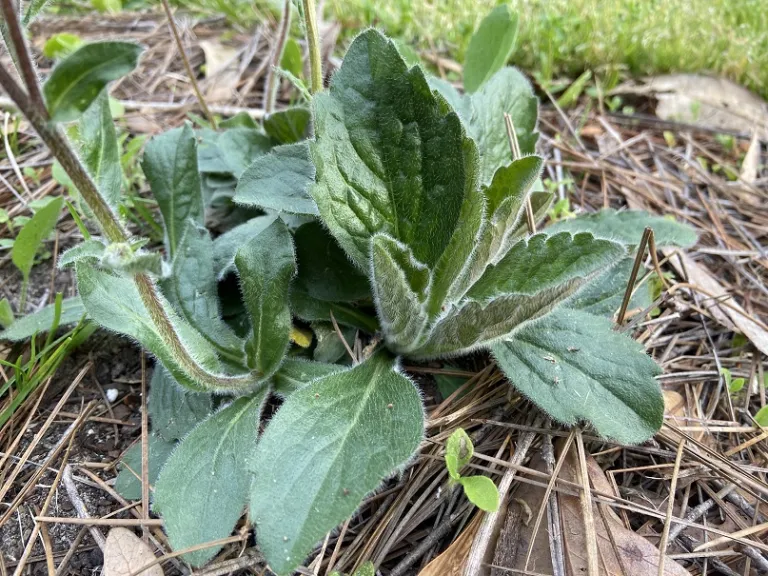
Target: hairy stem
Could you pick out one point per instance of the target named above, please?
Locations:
(313, 42)
(270, 88)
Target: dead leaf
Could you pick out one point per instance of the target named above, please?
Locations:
(221, 71)
(706, 101)
(452, 561)
(751, 162)
(125, 553)
(674, 404)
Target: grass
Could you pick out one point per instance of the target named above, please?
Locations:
(565, 37)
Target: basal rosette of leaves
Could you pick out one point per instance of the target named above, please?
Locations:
(401, 219)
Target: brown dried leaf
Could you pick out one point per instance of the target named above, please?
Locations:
(751, 163)
(452, 561)
(125, 553)
(674, 404)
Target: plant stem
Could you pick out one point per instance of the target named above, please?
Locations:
(270, 87)
(187, 66)
(313, 42)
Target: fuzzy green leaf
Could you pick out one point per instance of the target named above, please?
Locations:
(6, 314)
(575, 367)
(174, 410)
(329, 445)
(325, 272)
(238, 148)
(72, 311)
(288, 126)
(603, 296)
(390, 156)
(312, 310)
(32, 235)
(296, 373)
(279, 181)
(203, 487)
(481, 491)
(170, 164)
(99, 149)
(265, 266)
(226, 246)
(458, 452)
(329, 347)
(490, 47)
(128, 482)
(79, 79)
(628, 226)
(88, 249)
(762, 416)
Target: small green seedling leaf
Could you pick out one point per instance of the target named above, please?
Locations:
(266, 266)
(31, 236)
(6, 315)
(226, 246)
(239, 120)
(490, 47)
(313, 310)
(170, 164)
(345, 433)
(762, 416)
(99, 149)
(203, 487)
(736, 385)
(72, 311)
(458, 452)
(107, 6)
(128, 481)
(575, 367)
(571, 95)
(61, 45)
(78, 80)
(481, 491)
(173, 410)
(288, 126)
(291, 60)
(279, 181)
(628, 226)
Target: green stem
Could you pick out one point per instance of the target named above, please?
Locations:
(270, 91)
(313, 42)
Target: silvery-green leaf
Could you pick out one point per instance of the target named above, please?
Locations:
(543, 261)
(77, 80)
(90, 249)
(295, 374)
(390, 156)
(203, 487)
(490, 47)
(329, 347)
(507, 91)
(401, 286)
(325, 272)
(329, 445)
(226, 246)
(461, 104)
(128, 481)
(279, 180)
(288, 126)
(192, 288)
(265, 266)
(99, 150)
(575, 367)
(603, 296)
(541, 202)
(72, 311)
(173, 410)
(239, 120)
(240, 147)
(170, 164)
(312, 310)
(627, 227)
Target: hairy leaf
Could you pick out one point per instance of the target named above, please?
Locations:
(329, 347)
(266, 265)
(603, 297)
(79, 79)
(390, 156)
(99, 150)
(313, 310)
(279, 181)
(72, 311)
(174, 410)
(627, 227)
(481, 491)
(239, 147)
(575, 367)
(32, 235)
(226, 246)
(88, 249)
(288, 126)
(203, 487)
(128, 481)
(296, 373)
(325, 272)
(329, 445)
(490, 47)
(170, 164)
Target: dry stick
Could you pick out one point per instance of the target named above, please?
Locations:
(633, 275)
(80, 508)
(514, 147)
(337, 548)
(71, 552)
(555, 533)
(90, 521)
(697, 512)
(271, 83)
(426, 544)
(670, 507)
(593, 568)
(144, 446)
(187, 66)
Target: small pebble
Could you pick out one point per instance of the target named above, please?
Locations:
(112, 394)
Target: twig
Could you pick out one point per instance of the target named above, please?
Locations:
(633, 275)
(670, 507)
(585, 498)
(426, 544)
(514, 146)
(187, 66)
(80, 508)
(144, 445)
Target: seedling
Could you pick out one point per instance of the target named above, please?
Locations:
(480, 490)
(405, 221)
